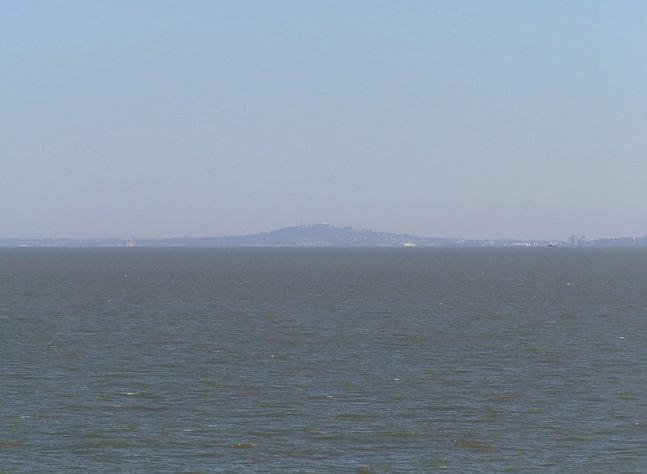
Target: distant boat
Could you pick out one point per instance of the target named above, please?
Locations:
(552, 245)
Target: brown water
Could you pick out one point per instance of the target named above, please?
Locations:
(375, 360)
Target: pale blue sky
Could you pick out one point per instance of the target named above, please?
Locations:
(464, 119)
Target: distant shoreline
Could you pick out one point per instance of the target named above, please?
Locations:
(319, 236)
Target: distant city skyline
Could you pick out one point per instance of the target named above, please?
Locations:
(465, 119)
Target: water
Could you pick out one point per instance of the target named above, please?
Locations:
(376, 360)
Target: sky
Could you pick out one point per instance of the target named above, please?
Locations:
(466, 119)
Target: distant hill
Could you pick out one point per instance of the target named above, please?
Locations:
(318, 235)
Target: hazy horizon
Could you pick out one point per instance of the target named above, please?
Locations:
(458, 237)
(444, 119)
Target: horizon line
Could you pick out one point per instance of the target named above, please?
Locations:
(132, 237)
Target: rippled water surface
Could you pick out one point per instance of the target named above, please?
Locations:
(376, 360)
